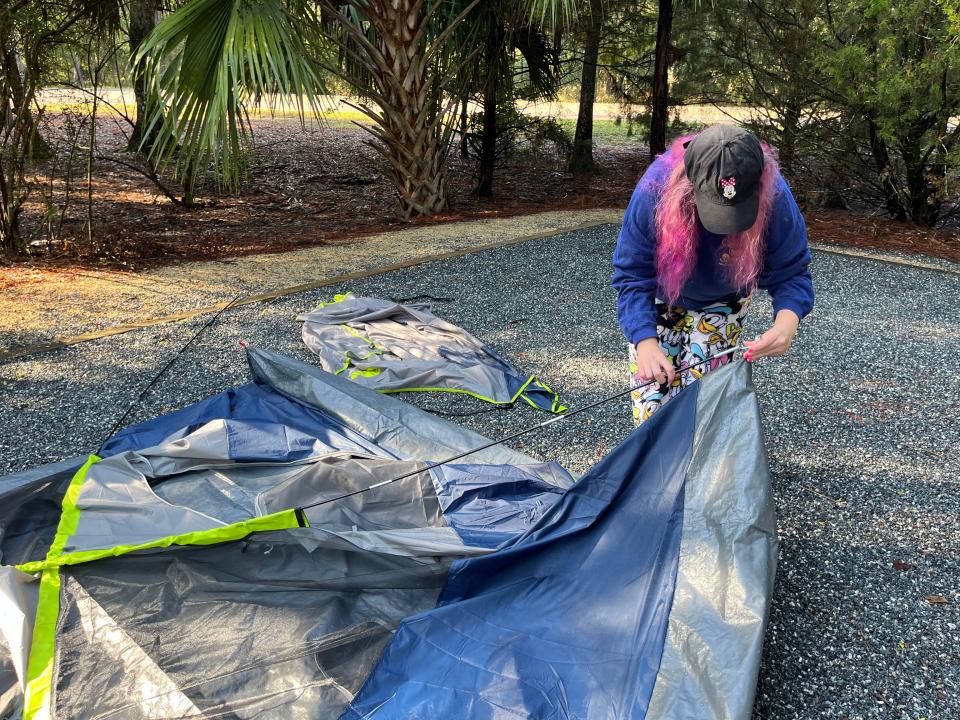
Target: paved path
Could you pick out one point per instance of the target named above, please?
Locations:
(860, 422)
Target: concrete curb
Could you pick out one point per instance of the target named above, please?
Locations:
(878, 256)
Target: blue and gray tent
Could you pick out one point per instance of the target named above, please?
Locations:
(188, 571)
(392, 347)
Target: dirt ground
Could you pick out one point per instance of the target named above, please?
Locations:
(841, 227)
(325, 185)
(307, 186)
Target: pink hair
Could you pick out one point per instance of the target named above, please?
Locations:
(677, 235)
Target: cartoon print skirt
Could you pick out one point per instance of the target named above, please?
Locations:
(688, 337)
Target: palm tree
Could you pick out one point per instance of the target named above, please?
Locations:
(141, 21)
(398, 60)
(202, 66)
(206, 61)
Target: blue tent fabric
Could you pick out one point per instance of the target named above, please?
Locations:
(568, 621)
(151, 432)
(490, 505)
(640, 591)
(262, 425)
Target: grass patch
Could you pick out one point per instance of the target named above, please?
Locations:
(611, 132)
(622, 132)
(335, 118)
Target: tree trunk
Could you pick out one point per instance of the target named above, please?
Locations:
(464, 126)
(16, 129)
(37, 146)
(409, 129)
(921, 179)
(788, 138)
(491, 92)
(886, 173)
(581, 159)
(660, 103)
(143, 19)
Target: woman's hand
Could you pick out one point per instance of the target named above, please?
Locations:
(775, 341)
(653, 363)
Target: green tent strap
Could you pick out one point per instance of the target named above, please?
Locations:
(369, 372)
(555, 407)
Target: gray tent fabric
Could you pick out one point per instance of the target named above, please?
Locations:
(118, 507)
(206, 632)
(30, 509)
(728, 560)
(190, 482)
(135, 641)
(11, 482)
(409, 503)
(371, 559)
(18, 605)
(395, 426)
(392, 347)
(123, 501)
(136, 683)
(289, 620)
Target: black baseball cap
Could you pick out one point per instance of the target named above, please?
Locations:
(724, 163)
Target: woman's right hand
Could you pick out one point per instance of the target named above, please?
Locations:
(653, 363)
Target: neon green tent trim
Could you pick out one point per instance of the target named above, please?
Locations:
(39, 679)
(283, 520)
(517, 396)
(336, 299)
(36, 705)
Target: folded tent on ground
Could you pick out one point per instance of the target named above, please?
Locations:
(393, 347)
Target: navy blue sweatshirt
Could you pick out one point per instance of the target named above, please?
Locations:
(785, 272)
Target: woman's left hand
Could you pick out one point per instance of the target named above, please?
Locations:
(775, 341)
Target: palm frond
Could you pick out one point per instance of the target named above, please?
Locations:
(543, 61)
(205, 63)
(549, 13)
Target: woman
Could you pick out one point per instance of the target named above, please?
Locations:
(711, 220)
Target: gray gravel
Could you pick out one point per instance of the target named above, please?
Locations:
(861, 423)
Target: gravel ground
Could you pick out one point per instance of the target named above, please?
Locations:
(860, 421)
(37, 304)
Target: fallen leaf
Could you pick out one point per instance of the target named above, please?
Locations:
(901, 565)
(937, 600)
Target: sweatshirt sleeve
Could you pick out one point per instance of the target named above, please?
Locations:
(634, 269)
(786, 272)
